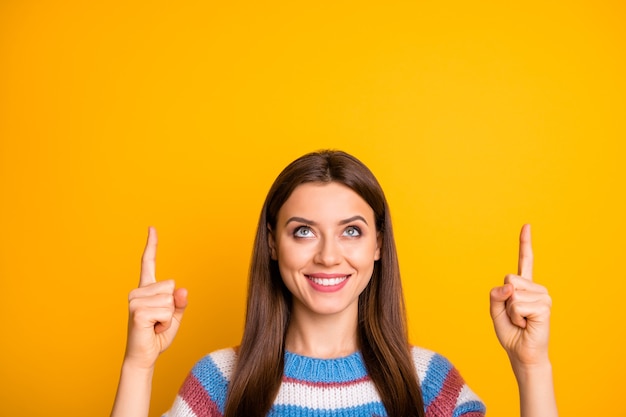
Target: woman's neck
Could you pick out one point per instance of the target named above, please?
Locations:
(322, 336)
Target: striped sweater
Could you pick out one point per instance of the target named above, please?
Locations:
(326, 388)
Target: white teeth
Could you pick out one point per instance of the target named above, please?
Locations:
(327, 282)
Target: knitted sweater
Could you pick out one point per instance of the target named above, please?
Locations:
(326, 388)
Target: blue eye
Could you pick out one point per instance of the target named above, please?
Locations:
(352, 231)
(303, 231)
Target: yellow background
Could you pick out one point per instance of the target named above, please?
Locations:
(475, 116)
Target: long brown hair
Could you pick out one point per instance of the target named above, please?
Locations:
(382, 330)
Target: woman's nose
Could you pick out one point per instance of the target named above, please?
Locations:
(329, 252)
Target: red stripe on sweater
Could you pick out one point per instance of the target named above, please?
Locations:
(444, 405)
(473, 414)
(198, 399)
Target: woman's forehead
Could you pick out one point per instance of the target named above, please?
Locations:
(325, 202)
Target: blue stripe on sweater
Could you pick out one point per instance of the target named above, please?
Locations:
(339, 370)
(436, 373)
(371, 409)
(212, 380)
(468, 407)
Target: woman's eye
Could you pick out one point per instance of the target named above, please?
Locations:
(303, 231)
(352, 231)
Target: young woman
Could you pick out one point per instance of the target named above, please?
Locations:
(325, 331)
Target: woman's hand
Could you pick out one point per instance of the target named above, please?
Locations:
(520, 310)
(155, 312)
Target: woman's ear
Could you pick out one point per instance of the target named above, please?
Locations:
(271, 241)
(379, 245)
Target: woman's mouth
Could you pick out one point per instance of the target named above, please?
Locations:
(327, 282)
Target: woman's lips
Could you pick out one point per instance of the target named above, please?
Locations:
(327, 282)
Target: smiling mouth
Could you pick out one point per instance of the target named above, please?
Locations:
(327, 282)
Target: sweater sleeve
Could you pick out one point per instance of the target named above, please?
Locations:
(203, 393)
(444, 391)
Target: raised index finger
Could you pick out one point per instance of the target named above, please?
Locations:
(148, 260)
(525, 262)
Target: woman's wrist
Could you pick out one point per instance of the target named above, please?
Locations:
(536, 388)
(531, 370)
(133, 391)
(138, 368)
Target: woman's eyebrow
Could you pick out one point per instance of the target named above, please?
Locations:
(313, 223)
(300, 220)
(353, 218)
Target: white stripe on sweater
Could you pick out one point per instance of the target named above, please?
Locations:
(180, 408)
(330, 398)
(225, 360)
(421, 359)
(466, 395)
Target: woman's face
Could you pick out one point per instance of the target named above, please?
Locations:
(325, 242)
